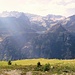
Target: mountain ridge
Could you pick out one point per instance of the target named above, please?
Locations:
(32, 36)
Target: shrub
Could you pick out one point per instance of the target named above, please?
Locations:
(38, 64)
(38, 67)
(46, 67)
(9, 62)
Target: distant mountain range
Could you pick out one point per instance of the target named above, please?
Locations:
(24, 35)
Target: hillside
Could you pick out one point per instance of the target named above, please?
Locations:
(24, 35)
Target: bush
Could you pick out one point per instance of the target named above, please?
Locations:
(38, 64)
(38, 67)
(46, 67)
(9, 62)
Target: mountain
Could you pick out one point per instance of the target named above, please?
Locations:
(69, 23)
(10, 26)
(17, 46)
(44, 22)
(10, 14)
(13, 24)
(38, 23)
(58, 43)
(24, 35)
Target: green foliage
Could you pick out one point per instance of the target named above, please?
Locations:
(38, 67)
(9, 62)
(46, 67)
(38, 64)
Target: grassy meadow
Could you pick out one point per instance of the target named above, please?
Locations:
(57, 67)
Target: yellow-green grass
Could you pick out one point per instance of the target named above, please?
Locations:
(3, 63)
(29, 65)
(44, 61)
(59, 65)
(35, 61)
(41, 60)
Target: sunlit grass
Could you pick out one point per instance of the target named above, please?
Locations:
(34, 61)
(41, 60)
(3, 63)
(60, 66)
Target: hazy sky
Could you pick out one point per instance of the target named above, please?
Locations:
(40, 7)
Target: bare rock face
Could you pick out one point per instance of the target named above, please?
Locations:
(24, 35)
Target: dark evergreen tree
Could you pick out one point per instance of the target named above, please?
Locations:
(9, 62)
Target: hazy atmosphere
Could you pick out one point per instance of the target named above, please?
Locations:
(39, 7)
(37, 37)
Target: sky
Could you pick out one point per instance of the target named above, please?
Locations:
(40, 7)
